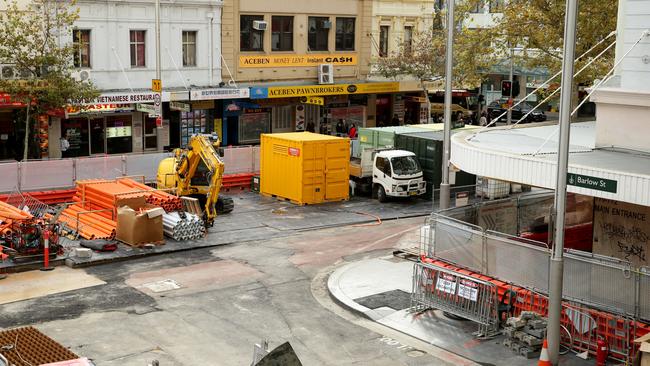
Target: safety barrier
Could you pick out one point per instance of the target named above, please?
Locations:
(458, 294)
(38, 175)
(597, 281)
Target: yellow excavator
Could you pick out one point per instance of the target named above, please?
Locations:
(196, 171)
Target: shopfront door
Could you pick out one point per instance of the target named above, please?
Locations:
(150, 134)
(97, 136)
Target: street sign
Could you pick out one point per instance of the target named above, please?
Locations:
(157, 103)
(598, 184)
(178, 106)
(156, 85)
(146, 108)
(313, 100)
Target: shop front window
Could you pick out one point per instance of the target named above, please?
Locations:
(192, 123)
(150, 134)
(97, 136)
(75, 130)
(119, 134)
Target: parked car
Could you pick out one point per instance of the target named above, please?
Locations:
(498, 107)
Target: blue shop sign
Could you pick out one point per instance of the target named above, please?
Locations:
(259, 92)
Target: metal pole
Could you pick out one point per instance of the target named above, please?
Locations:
(512, 85)
(158, 39)
(557, 261)
(449, 63)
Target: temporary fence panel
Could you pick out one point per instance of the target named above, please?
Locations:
(511, 259)
(144, 165)
(238, 159)
(46, 174)
(458, 294)
(9, 174)
(256, 159)
(644, 293)
(458, 243)
(601, 283)
(103, 167)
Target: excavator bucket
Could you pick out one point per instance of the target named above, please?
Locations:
(283, 355)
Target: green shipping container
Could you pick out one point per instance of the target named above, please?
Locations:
(382, 137)
(427, 146)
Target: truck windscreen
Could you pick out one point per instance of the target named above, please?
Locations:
(405, 165)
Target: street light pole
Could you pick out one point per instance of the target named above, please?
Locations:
(445, 193)
(512, 85)
(557, 260)
(158, 39)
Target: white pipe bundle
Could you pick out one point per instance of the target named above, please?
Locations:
(183, 226)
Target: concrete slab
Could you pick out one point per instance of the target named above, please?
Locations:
(33, 284)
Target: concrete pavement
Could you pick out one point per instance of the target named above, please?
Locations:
(379, 289)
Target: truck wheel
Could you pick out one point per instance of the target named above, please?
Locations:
(381, 194)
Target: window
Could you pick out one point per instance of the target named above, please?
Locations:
(319, 30)
(189, 48)
(281, 33)
(496, 6)
(250, 39)
(137, 48)
(81, 45)
(408, 39)
(345, 34)
(383, 40)
(477, 7)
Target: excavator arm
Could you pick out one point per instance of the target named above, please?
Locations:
(201, 148)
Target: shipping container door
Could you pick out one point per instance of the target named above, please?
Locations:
(337, 171)
(313, 174)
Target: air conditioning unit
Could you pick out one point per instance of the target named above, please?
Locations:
(326, 74)
(259, 25)
(327, 24)
(8, 72)
(81, 75)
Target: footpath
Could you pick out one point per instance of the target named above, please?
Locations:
(380, 289)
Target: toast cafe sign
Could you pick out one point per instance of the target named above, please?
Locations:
(297, 60)
(121, 98)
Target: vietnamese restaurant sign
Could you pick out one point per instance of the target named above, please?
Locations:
(121, 98)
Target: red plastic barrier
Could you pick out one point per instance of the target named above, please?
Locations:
(579, 237)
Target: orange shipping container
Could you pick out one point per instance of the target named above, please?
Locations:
(305, 167)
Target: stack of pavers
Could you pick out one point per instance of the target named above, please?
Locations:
(525, 334)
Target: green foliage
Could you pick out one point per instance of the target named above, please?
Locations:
(425, 60)
(35, 39)
(538, 27)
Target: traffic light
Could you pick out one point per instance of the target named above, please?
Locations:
(506, 87)
(515, 88)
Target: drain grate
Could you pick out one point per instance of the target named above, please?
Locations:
(27, 346)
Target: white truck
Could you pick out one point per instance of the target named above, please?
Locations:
(387, 173)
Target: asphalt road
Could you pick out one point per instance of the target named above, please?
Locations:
(229, 298)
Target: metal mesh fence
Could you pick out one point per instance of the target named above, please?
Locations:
(605, 284)
(644, 293)
(522, 262)
(458, 242)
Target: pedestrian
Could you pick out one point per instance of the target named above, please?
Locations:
(65, 145)
(483, 120)
(353, 132)
(340, 128)
(395, 121)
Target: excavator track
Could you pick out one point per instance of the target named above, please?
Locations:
(224, 205)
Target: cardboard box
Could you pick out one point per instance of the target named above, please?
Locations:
(139, 223)
(644, 350)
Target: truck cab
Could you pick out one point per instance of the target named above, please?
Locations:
(387, 173)
(397, 173)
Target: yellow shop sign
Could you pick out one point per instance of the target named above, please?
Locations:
(297, 60)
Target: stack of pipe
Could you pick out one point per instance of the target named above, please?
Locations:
(10, 215)
(183, 226)
(155, 197)
(48, 197)
(89, 225)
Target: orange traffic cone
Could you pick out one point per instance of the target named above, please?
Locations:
(543, 357)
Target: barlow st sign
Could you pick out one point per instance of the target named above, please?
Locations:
(597, 184)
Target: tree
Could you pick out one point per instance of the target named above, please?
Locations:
(537, 26)
(35, 39)
(425, 58)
